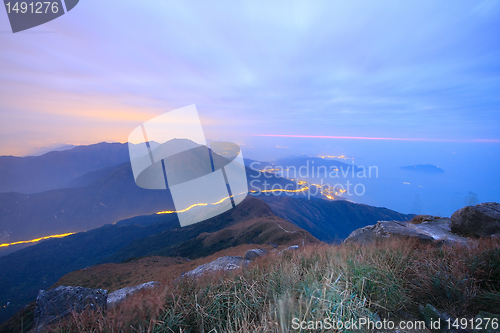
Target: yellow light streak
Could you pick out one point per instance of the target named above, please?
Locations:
(195, 205)
(273, 170)
(223, 199)
(37, 239)
(283, 190)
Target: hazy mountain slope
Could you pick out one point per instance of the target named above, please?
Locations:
(32, 174)
(329, 220)
(255, 231)
(114, 197)
(93, 176)
(172, 242)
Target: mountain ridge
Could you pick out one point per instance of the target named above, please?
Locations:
(55, 169)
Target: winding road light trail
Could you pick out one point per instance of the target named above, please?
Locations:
(226, 198)
(37, 239)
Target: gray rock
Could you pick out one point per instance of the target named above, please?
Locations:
(226, 263)
(430, 230)
(478, 221)
(384, 230)
(58, 303)
(440, 230)
(255, 253)
(290, 248)
(118, 296)
(437, 320)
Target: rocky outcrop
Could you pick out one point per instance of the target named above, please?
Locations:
(226, 263)
(58, 303)
(477, 221)
(429, 231)
(118, 296)
(255, 253)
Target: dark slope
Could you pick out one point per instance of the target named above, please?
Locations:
(33, 174)
(26, 271)
(173, 242)
(329, 221)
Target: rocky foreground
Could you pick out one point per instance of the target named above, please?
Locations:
(482, 220)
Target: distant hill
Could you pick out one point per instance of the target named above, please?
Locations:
(250, 222)
(55, 169)
(423, 168)
(329, 221)
(315, 168)
(44, 150)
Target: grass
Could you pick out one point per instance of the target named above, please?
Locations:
(386, 281)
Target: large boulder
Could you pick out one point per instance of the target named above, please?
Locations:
(118, 296)
(255, 253)
(431, 230)
(58, 303)
(226, 263)
(477, 221)
(384, 230)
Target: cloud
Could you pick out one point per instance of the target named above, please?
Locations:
(322, 68)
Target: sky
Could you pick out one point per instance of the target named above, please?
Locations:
(387, 69)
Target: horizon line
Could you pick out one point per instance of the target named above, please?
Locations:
(374, 138)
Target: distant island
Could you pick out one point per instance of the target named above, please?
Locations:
(427, 168)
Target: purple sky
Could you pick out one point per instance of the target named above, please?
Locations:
(426, 70)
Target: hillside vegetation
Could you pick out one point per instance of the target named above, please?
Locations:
(384, 281)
